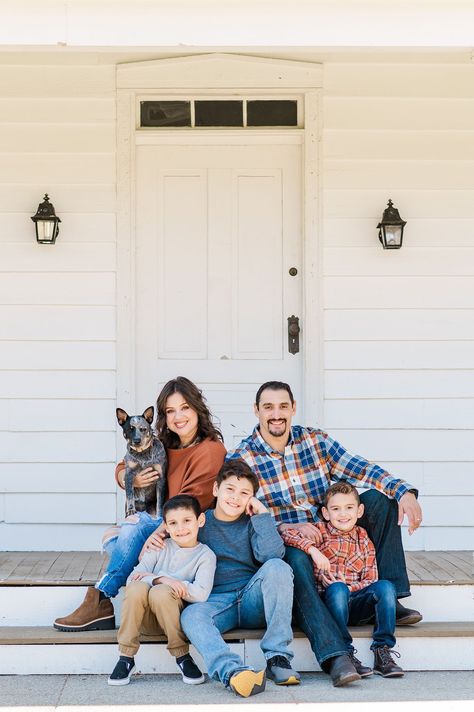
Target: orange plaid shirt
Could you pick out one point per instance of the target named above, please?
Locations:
(351, 554)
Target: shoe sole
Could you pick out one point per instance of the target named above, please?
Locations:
(98, 624)
(125, 681)
(193, 680)
(249, 683)
(366, 674)
(346, 680)
(290, 680)
(409, 620)
(390, 674)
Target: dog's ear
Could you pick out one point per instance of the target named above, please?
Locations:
(121, 416)
(148, 414)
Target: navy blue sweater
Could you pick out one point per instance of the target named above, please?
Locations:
(241, 547)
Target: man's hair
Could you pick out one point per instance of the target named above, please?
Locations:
(239, 469)
(182, 501)
(340, 488)
(274, 386)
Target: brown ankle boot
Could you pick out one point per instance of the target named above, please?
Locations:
(92, 614)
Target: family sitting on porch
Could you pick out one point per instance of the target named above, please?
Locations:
(284, 484)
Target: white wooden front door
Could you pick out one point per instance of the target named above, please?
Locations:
(218, 227)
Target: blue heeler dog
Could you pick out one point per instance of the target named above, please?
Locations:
(143, 450)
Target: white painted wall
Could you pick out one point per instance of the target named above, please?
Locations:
(398, 326)
(398, 337)
(57, 306)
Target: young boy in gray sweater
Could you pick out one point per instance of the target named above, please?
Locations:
(253, 587)
(183, 570)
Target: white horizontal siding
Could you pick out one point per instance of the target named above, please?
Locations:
(426, 232)
(398, 326)
(57, 306)
(437, 414)
(44, 477)
(28, 416)
(58, 446)
(51, 536)
(75, 227)
(58, 355)
(399, 384)
(70, 509)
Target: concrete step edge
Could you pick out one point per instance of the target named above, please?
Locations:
(47, 635)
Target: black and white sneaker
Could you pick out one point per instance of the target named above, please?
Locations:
(122, 671)
(190, 672)
(280, 671)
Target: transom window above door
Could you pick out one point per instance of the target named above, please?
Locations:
(219, 113)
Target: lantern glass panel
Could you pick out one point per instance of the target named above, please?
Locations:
(393, 235)
(45, 229)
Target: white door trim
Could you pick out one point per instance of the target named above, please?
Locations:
(228, 73)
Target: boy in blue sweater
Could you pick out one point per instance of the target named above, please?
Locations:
(253, 586)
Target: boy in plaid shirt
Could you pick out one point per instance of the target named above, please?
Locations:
(345, 570)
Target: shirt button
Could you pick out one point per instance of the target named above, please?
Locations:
(301, 500)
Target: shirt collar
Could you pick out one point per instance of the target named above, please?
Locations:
(337, 532)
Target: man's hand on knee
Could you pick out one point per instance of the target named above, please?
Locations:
(409, 505)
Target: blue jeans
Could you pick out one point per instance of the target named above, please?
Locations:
(380, 520)
(123, 551)
(310, 612)
(356, 608)
(264, 602)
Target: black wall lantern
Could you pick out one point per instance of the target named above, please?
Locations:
(391, 228)
(46, 223)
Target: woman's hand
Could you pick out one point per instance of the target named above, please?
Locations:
(156, 541)
(145, 477)
(178, 587)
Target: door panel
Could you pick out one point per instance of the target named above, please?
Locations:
(218, 228)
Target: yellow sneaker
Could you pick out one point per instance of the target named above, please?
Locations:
(247, 682)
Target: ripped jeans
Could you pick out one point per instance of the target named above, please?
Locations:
(265, 602)
(124, 549)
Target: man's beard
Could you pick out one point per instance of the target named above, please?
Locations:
(280, 432)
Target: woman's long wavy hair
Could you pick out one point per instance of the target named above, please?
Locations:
(194, 398)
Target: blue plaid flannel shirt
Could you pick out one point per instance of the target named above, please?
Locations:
(293, 483)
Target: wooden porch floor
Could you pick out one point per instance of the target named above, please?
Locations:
(84, 568)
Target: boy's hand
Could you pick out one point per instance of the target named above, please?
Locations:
(321, 561)
(139, 575)
(178, 587)
(254, 506)
(145, 477)
(306, 529)
(155, 541)
(328, 578)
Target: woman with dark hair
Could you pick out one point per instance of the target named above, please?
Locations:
(195, 455)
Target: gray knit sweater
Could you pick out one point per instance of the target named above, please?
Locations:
(194, 566)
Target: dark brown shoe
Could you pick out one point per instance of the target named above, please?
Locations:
(406, 616)
(92, 614)
(384, 664)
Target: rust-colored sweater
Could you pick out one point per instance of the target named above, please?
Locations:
(191, 470)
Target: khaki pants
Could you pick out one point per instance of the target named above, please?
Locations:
(151, 611)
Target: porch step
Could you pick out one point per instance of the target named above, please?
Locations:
(37, 587)
(40, 605)
(43, 650)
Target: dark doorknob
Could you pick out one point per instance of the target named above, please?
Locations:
(293, 334)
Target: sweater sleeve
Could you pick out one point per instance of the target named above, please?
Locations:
(148, 563)
(200, 588)
(265, 539)
(201, 473)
